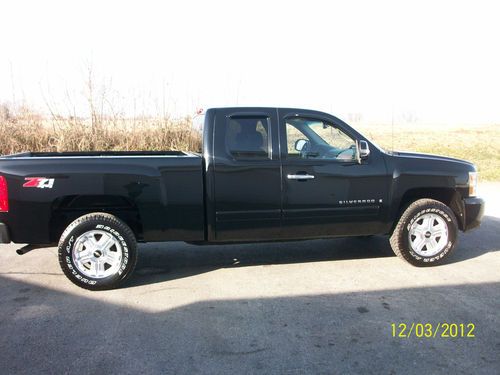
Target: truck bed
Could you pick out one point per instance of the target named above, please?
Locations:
(97, 153)
(158, 193)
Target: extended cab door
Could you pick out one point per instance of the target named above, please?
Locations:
(326, 192)
(246, 173)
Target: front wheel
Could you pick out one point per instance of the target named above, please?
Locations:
(98, 251)
(426, 233)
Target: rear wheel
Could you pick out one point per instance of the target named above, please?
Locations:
(426, 233)
(98, 251)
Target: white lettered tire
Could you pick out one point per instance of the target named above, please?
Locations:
(98, 251)
(426, 234)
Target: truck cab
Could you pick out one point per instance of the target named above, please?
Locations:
(291, 174)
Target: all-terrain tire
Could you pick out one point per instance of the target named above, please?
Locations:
(417, 211)
(92, 227)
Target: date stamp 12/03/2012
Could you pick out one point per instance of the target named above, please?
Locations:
(433, 330)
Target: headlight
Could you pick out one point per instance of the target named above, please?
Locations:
(472, 184)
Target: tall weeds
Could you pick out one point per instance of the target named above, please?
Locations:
(28, 131)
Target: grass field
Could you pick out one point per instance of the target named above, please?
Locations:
(479, 144)
(28, 132)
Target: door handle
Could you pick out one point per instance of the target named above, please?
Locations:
(300, 177)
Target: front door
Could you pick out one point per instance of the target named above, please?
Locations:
(326, 191)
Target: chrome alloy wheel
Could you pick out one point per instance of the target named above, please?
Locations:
(428, 235)
(97, 254)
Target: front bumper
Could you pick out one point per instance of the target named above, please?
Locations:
(4, 233)
(474, 211)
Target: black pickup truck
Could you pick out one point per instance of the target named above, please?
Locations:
(265, 174)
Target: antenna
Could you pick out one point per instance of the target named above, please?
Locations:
(238, 92)
(392, 127)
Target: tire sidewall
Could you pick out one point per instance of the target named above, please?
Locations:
(69, 266)
(450, 221)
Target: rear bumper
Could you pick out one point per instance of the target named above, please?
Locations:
(4, 233)
(474, 211)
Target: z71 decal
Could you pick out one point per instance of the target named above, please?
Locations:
(39, 182)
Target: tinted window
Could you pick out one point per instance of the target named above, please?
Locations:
(248, 137)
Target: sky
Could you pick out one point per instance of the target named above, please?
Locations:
(364, 61)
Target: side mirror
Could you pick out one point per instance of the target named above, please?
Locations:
(299, 144)
(364, 149)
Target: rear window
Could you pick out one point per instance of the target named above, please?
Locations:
(248, 137)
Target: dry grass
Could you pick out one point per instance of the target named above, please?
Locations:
(33, 133)
(479, 144)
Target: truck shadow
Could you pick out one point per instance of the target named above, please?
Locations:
(176, 260)
(168, 261)
(480, 241)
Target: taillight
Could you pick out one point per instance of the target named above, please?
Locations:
(4, 195)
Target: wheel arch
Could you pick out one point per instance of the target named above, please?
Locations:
(448, 196)
(66, 209)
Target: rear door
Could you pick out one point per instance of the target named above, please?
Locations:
(247, 175)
